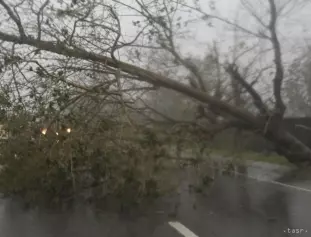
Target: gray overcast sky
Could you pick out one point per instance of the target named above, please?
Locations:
(293, 28)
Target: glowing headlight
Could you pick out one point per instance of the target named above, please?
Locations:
(43, 131)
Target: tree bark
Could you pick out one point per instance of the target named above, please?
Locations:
(290, 147)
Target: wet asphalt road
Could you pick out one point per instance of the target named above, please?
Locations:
(232, 207)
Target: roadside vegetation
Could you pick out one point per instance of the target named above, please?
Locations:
(272, 158)
(131, 83)
(87, 162)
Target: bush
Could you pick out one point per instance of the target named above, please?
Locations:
(106, 163)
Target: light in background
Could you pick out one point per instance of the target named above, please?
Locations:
(43, 131)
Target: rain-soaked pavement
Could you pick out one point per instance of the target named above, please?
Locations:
(231, 207)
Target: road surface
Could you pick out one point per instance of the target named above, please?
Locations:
(232, 207)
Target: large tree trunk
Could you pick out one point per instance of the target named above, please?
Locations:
(290, 147)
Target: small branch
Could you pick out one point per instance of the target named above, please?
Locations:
(168, 32)
(96, 88)
(73, 100)
(250, 9)
(76, 22)
(236, 26)
(39, 18)
(233, 71)
(218, 93)
(14, 18)
(118, 71)
(115, 44)
(125, 44)
(261, 71)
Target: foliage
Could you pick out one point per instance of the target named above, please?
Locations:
(81, 63)
(104, 162)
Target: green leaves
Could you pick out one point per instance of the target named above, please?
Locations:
(5, 101)
(131, 170)
(40, 72)
(9, 60)
(67, 12)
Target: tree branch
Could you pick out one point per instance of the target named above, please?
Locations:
(226, 21)
(143, 74)
(233, 71)
(14, 18)
(279, 74)
(39, 18)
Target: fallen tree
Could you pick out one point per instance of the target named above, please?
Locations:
(79, 43)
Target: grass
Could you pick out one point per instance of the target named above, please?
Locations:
(240, 154)
(272, 158)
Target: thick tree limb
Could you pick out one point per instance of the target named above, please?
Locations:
(144, 75)
(279, 74)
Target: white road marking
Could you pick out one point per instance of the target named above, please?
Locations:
(182, 229)
(278, 183)
(271, 182)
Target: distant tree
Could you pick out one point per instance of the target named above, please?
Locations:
(298, 86)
